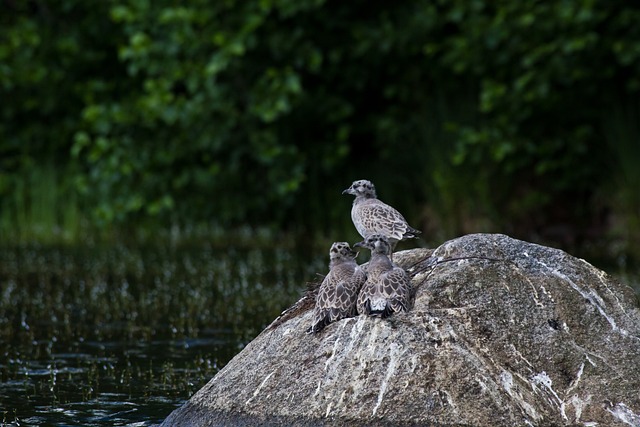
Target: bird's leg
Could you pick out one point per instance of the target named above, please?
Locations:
(393, 248)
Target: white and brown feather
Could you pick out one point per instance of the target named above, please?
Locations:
(338, 292)
(372, 216)
(387, 289)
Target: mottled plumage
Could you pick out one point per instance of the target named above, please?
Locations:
(339, 290)
(372, 216)
(388, 287)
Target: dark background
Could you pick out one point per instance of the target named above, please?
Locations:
(125, 118)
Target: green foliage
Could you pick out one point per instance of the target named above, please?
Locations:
(502, 116)
(198, 131)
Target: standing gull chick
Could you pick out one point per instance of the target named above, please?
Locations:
(339, 290)
(372, 216)
(388, 287)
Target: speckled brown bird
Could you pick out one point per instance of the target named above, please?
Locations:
(339, 290)
(372, 216)
(388, 287)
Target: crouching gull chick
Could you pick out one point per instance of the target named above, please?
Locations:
(372, 216)
(388, 287)
(339, 290)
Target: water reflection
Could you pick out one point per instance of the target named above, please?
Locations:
(121, 336)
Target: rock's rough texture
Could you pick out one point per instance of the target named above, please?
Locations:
(503, 333)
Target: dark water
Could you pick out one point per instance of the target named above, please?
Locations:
(122, 336)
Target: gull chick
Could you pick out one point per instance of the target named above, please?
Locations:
(339, 290)
(372, 216)
(388, 287)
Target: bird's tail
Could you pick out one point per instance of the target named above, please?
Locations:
(379, 307)
(318, 326)
(326, 317)
(412, 233)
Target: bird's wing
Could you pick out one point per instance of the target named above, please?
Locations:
(344, 303)
(368, 291)
(396, 287)
(326, 292)
(339, 292)
(381, 218)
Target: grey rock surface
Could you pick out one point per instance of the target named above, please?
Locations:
(502, 333)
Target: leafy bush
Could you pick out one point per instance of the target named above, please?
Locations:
(504, 116)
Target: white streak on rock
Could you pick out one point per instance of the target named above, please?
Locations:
(544, 380)
(625, 414)
(578, 406)
(575, 382)
(354, 336)
(341, 401)
(330, 359)
(506, 379)
(592, 297)
(328, 410)
(535, 292)
(257, 390)
(547, 293)
(395, 352)
(338, 334)
(515, 350)
(602, 276)
(414, 363)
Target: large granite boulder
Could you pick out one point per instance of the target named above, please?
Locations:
(502, 333)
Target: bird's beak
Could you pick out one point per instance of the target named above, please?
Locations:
(358, 245)
(348, 191)
(354, 253)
